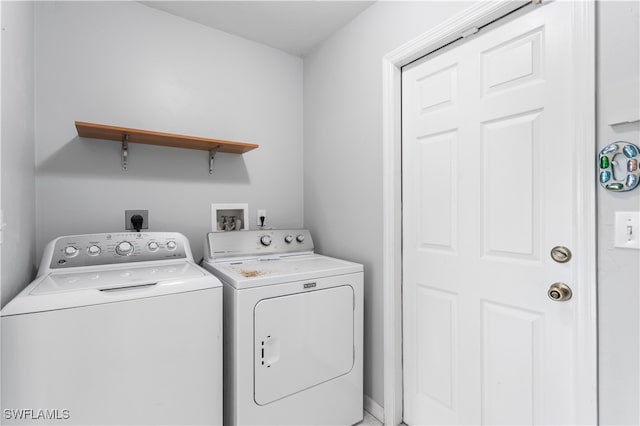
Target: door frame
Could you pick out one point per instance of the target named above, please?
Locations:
(583, 93)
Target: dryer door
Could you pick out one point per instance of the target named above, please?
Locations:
(302, 340)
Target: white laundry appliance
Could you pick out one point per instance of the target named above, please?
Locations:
(292, 329)
(120, 328)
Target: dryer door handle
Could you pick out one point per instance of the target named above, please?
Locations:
(270, 351)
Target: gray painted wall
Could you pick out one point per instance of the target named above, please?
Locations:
(18, 180)
(122, 63)
(343, 172)
(343, 148)
(618, 93)
(125, 64)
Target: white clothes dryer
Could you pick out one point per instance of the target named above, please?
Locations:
(120, 328)
(293, 330)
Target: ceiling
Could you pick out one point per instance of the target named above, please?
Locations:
(293, 26)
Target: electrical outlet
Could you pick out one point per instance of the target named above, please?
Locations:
(127, 219)
(261, 213)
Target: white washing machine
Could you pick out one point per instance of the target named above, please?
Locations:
(119, 328)
(292, 327)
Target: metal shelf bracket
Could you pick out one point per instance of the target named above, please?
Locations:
(125, 151)
(212, 155)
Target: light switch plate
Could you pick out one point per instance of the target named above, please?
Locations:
(627, 230)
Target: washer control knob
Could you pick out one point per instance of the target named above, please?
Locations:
(171, 245)
(124, 248)
(70, 251)
(288, 239)
(93, 250)
(265, 240)
(153, 246)
(300, 238)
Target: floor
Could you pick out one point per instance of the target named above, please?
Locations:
(369, 420)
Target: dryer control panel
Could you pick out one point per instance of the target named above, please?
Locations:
(257, 243)
(114, 248)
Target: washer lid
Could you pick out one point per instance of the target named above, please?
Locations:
(110, 279)
(93, 286)
(275, 270)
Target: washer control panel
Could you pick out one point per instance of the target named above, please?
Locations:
(105, 249)
(258, 243)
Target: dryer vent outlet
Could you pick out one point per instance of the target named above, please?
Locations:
(129, 223)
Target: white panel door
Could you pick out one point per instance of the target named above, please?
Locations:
(487, 192)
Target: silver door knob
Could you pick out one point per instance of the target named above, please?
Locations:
(559, 292)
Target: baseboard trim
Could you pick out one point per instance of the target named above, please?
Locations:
(373, 408)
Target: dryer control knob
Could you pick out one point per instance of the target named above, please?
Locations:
(70, 251)
(153, 246)
(171, 245)
(124, 248)
(265, 240)
(288, 239)
(93, 250)
(300, 238)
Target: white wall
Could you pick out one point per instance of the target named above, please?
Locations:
(343, 148)
(618, 44)
(125, 64)
(342, 168)
(18, 181)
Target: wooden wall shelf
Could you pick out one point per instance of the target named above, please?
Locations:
(127, 135)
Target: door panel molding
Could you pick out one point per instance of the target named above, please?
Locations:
(583, 103)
